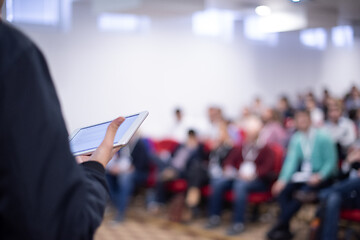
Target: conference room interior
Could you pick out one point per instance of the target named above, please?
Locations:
(211, 67)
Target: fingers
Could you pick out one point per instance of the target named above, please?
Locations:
(115, 150)
(81, 159)
(111, 130)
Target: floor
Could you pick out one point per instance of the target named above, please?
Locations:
(142, 225)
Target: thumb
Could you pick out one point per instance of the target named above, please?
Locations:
(112, 129)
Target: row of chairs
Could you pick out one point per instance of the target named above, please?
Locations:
(256, 198)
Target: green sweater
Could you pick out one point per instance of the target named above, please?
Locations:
(323, 157)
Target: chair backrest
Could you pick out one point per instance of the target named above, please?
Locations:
(165, 145)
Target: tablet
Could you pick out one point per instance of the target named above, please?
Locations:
(85, 140)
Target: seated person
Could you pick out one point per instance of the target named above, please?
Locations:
(316, 113)
(344, 194)
(181, 165)
(272, 132)
(246, 169)
(127, 169)
(285, 109)
(310, 165)
(341, 129)
(221, 147)
(357, 122)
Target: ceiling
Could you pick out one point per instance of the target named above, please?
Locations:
(319, 13)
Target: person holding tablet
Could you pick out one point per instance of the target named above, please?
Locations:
(45, 194)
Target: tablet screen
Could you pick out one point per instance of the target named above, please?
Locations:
(89, 138)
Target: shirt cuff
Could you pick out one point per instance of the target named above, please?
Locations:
(94, 165)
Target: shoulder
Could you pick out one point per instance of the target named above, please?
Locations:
(13, 43)
(266, 150)
(295, 138)
(323, 135)
(346, 121)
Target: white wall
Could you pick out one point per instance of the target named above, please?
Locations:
(99, 75)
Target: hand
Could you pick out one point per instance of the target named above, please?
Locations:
(246, 178)
(168, 174)
(114, 170)
(105, 151)
(82, 158)
(353, 156)
(230, 172)
(278, 187)
(314, 180)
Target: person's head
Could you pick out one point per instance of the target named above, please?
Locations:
(269, 115)
(335, 110)
(283, 104)
(354, 92)
(245, 112)
(252, 128)
(326, 92)
(257, 101)
(215, 114)
(178, 114)
(192, 140)
(310, 103)
(302, 120)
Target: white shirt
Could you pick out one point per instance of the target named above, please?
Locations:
(342, 132)
(317, 117)
(248, 167)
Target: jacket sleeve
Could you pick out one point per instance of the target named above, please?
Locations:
(234, 157)
(265, 163)
(47, 193)
(292, 160)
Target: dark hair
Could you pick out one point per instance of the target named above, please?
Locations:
(191, 133)
(285, 99)
(177, 110)
(302, 111)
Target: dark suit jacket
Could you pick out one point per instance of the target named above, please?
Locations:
(44, 193)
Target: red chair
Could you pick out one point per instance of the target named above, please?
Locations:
(177, 186)
(351, 215)
(169, 145)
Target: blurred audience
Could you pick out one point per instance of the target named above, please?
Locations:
(246, 169)
(180, 126)
(184, 163)
(340, 128)
(352, 101)
(325, 101)
(342, 195)
(127, 169)
(215, 117)
(257, 107)
(285, 109)
(272, 131)
(241, 159)
(317, 115)
(357, 122)
(310, 165)
(221, 147)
